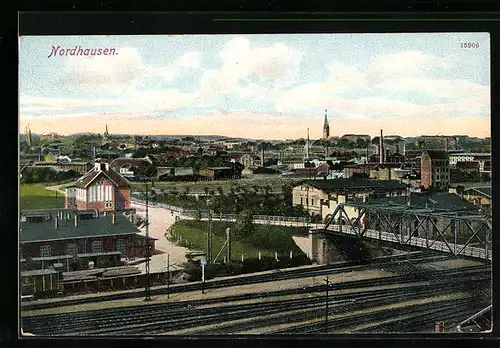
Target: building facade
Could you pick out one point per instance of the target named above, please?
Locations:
(321, 197)
(435, 170)
(101, 189)
(73, 239)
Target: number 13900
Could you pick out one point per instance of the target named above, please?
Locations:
(469, 45)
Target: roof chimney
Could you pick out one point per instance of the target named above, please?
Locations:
(76, 220)
(56, 221)
(381, 147)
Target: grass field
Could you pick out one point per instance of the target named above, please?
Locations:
(275, 181)
(266, 239)
(36, 196)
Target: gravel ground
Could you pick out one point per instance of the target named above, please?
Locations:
(159, 220)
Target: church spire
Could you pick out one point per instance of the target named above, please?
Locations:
(106, 133)
(326, 127)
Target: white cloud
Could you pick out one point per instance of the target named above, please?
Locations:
(111, 73)
(189, 60)
(120, 73)
(276, 64)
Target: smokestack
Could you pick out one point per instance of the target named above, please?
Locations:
(381, 147)
(56, 221)
(76, 220)
(446, 144)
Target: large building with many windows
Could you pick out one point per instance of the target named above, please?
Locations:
(74, 238)
(435, 170)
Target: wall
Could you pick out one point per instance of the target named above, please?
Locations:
(311, 198)
(425, 171)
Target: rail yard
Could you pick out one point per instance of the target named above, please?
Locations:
(403, 293)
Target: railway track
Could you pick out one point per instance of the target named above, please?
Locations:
(346, 323)
(171, 316)
(414, 258)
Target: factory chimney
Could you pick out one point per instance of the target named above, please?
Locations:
(381, 147)
(446, 144)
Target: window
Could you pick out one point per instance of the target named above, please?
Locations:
(307, 201)
(301, 201)
(312, 201)
(97, 246)
(120, 246)
(45, 251)
(72, 249)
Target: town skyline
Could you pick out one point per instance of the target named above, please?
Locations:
(258, 86)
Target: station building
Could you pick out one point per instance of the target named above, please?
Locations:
(71, 239)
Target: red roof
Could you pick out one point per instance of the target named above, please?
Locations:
(116, 178)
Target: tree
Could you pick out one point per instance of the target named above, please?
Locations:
(244, 224)
(145, 170)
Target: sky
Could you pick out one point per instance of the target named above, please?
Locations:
(257, 86)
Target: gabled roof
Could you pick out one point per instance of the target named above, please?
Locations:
(46, 231)
(116, 178)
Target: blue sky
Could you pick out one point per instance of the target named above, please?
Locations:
(259, 86)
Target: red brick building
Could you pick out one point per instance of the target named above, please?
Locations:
(435, 170)
(73, 238)
(101, 189)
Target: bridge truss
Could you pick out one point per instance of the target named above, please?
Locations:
(460, 233)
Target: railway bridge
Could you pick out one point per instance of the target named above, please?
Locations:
(460, 233)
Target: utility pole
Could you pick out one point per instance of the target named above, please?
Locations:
(168, 275)
(326, 307)
(228, 246)
(148, 287)
(209, 237)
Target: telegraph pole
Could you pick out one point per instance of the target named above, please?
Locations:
(228, 246)
(326, 307)
(168, 275)
(148, 287)
(209, 237)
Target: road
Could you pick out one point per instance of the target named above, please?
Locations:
(159, 220)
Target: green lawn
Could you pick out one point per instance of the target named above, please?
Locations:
(36, 196)
(266, 239)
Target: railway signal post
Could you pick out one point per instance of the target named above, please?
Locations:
(327, 282)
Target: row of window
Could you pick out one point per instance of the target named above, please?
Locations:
(99, 193)
(72, 248)
(307, 201)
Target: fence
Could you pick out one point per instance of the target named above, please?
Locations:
(259, 219)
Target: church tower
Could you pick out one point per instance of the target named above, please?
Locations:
(326, 128)
(106, 133)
